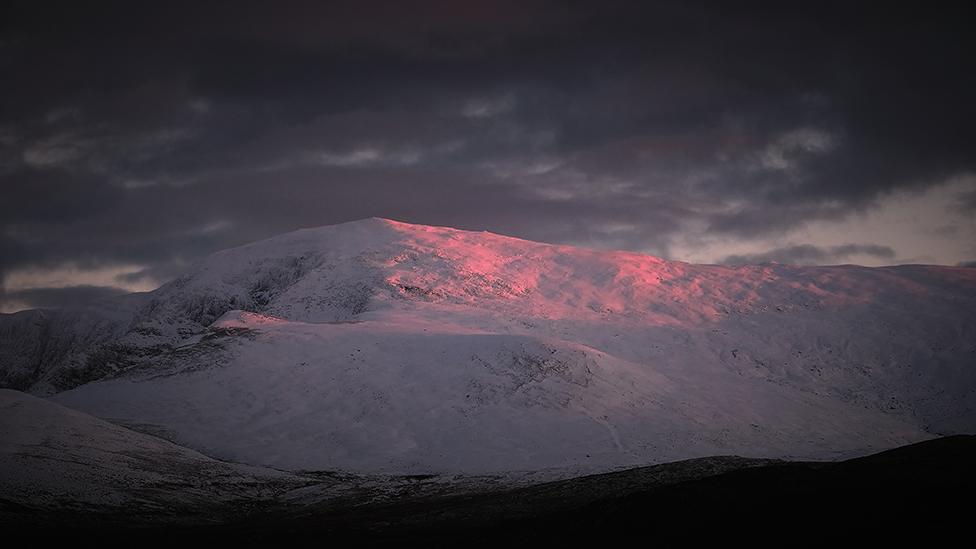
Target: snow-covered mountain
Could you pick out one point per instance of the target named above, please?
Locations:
(54, 458)
(378, 346)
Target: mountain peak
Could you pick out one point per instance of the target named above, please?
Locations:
(380, 226)
(386, 346)
(373, 221)
(374, 235)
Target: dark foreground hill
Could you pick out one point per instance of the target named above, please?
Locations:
(919, 492)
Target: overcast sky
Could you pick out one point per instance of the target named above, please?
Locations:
(135, 138)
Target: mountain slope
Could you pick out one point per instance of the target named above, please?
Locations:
(910, 492)
(56, 459)
(400, 397)
(384, 346)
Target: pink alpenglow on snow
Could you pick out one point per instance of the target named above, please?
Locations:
(379, 346)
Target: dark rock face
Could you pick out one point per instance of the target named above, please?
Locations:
(51, 350)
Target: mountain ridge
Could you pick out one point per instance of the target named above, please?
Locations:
(561, 357)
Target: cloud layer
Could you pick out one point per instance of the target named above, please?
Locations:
(806, 254)
(152, 135)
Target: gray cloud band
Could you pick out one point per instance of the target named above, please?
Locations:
(124, 141)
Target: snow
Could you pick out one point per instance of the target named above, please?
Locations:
(391, 397)
(53, 457)
(379, 346)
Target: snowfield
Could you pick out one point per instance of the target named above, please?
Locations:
(383, 347)
(55, 458)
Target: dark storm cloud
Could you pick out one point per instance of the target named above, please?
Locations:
(72, 296)
(807, 254)
(153, 134)
(967, 264)
(967, 202)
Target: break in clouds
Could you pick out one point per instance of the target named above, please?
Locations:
(134, 139)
